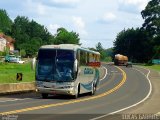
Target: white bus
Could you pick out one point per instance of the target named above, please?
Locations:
(66, 69)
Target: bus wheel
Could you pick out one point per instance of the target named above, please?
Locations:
(44, 95)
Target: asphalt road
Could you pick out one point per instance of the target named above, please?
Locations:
(121, 88)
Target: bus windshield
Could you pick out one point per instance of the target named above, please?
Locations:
(55, 65)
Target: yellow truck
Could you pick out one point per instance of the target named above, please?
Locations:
(120, 59)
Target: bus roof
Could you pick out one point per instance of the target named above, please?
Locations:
(68, 47)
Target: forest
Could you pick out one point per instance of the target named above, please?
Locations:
(30, 35)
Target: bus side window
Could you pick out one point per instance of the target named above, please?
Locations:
(78, 55)
(83, 58)
(97, 58)
(91, 57)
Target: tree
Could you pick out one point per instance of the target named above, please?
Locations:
(151, 15)
(37, 30)
(5, 22)
(101, 50)
(123, 42)
(30, 35)
(6, 51)
(22, 53)
(156, 48)
(31, 47)
(133, 43)
(65, 37)
(109, 54)
(99, 47)
(19, 31)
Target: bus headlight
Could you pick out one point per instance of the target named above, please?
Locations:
(39, 83)
(67, 87)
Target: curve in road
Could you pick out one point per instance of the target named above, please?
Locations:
(122, 87)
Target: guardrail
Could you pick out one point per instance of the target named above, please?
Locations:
(17, 87)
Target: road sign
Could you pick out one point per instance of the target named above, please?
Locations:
(94, 64)
(19, 76)
(156, 61)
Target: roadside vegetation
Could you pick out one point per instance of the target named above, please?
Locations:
(9, 72)
(154, 67)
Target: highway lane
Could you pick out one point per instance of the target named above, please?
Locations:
(115, 92)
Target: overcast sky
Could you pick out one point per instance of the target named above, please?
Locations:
(94, 20)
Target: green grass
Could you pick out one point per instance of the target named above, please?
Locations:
(8, 72)
(154, 67)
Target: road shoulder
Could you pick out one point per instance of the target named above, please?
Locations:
(152, 104)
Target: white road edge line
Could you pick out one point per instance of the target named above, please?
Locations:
(158, 114)
(96, 118)
(105, 74)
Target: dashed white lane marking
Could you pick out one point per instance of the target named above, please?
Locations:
(2, 101)
(96, 118)
(114, 71)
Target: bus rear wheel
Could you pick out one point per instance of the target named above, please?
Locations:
(44, 95)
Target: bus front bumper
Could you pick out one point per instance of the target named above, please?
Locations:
(68, 91)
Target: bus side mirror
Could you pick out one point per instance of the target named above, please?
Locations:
(33, 63)
(75, 65)
(75, 68)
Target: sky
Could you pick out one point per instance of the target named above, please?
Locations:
(94, 20)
